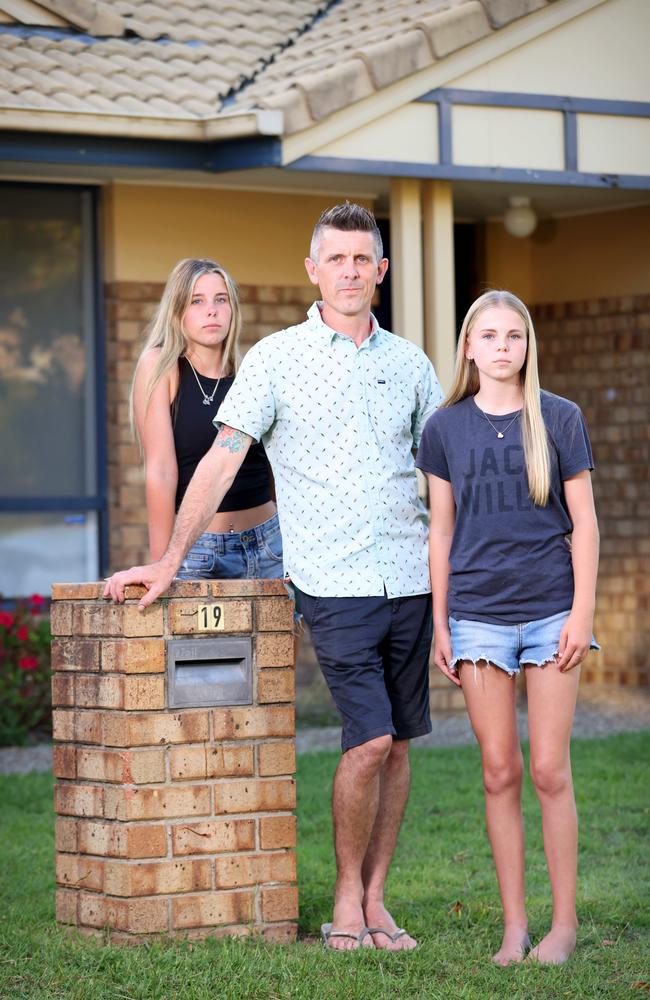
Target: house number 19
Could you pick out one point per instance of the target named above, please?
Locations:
(210, 618)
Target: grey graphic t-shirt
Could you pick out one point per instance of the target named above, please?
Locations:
(510, 561)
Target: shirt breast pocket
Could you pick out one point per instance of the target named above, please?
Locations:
(392, 410)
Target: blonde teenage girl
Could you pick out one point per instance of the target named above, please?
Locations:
(513, 555)
(186, 368)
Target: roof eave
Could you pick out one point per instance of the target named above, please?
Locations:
(238, 125)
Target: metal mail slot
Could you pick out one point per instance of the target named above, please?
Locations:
(209, 672)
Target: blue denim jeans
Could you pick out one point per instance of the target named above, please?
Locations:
(253, 554)
(508, 646)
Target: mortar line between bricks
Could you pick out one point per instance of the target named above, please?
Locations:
(125, 863)
(262, 813)
(120, 824)
(182, 858)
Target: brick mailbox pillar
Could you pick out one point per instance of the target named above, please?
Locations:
(175, 817)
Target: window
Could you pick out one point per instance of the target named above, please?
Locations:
(52, 490)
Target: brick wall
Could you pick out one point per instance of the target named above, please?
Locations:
(597, 353)
(129, 307)
(172, 820)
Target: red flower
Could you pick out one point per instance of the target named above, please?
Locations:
(22, 633)
(28, 663)
(6, 619)
(37, 604)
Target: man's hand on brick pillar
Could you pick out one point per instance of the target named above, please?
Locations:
(156, 577)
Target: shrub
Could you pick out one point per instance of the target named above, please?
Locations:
(25, 674)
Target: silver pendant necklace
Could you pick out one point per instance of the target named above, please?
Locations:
(207, 400)
(499, 433)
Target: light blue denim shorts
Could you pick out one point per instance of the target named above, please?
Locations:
(253, 554)
(509, 647)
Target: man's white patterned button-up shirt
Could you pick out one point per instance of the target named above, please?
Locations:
(339, 425)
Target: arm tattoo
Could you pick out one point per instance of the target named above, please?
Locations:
(231, 439)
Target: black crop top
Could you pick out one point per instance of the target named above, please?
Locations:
(194, 434)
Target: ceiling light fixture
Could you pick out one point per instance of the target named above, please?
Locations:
(520, 219)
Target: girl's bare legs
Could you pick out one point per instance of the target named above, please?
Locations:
(551, 705)
(490, 699)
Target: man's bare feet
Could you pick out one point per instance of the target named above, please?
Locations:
(556, 947)
(514, 945)
(348, 917)
(377, 916)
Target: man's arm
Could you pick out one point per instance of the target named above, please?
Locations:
(212, 479)
(429, 398)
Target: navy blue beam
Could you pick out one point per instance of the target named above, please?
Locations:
(445, 153)
(454, 172)
(570, 125)
(541, 102)
(214, 157)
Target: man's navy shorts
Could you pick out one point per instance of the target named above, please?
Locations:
(374, 655)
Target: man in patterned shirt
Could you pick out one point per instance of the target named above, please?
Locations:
(340, 405)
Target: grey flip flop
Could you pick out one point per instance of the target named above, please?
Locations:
(327, 933)
(391, 935)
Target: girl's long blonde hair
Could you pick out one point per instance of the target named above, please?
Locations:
(466, 383)
(166, 328)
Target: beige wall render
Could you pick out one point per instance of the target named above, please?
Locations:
(573, 257)
(261, 237)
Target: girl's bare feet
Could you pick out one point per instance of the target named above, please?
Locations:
(556, 947)
(513, 947)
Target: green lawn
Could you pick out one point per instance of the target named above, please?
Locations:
(442, 888)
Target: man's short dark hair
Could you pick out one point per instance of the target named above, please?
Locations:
(349, 218)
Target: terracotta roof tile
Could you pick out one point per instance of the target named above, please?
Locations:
(134, 105)
(97, 102)
(68, 101)
(502, 12)
(12, 59)
(32, 78)
(293, 105)
(181, 60)
(109, 88)
(167, 106)
(450, 30)
(36, 60)
(30, 98)
(198, 107)
(126, 63)
(38, 42)
(67, 81)
(390, 60)
(336, 87)
(72, 45)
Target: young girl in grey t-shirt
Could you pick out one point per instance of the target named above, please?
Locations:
(514, 555)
